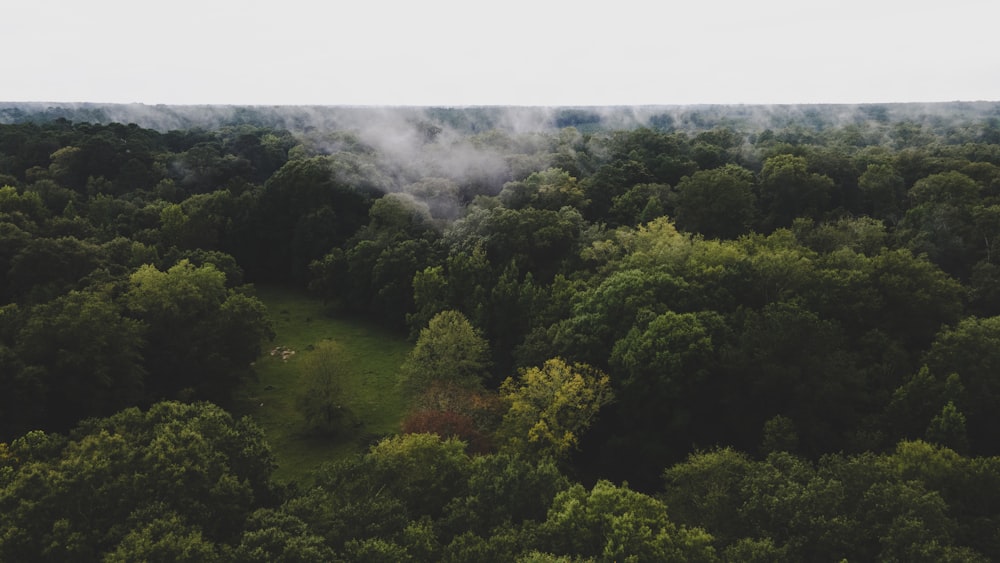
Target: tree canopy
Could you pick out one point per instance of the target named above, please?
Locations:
(701, 333)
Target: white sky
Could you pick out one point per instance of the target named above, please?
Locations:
(515, 52)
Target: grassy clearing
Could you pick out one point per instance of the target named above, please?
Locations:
(373, 356)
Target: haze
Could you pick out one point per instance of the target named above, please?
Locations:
(444, 52)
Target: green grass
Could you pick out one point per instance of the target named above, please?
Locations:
(373, 357)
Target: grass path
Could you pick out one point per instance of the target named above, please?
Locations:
(373, 359)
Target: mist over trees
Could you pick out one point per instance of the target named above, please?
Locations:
(664, 333)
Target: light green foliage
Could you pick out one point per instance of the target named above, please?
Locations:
(423, 470)
(166, 538)
(753, 550)
(953, 188)
(549, 189)
(611, 523)
(705, 490)
(181, 290)
(550, 407)
(27, 204)
(278, 537)
(376, 550)
(448, 350)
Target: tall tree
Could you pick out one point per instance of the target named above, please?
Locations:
(448, 350)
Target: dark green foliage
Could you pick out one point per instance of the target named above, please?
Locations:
(788, 190)
(320, 398)
(206, 336)
(865, 507)
(717, 203)
(85, 355)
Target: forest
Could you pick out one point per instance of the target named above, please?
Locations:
(691, 333)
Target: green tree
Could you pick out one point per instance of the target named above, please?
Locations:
(706, 490)
(665, 367)
(320, 396)
(611, 523)
(941, 223)
(422, 470)
(504, 490)
(549, 189)
(788, 190)
(972, 350)
(309, 206)
(883, 192)
(164, 538)
(716, 203)
(448, 350)
(948, 429)
(640, 204)
(278, 537)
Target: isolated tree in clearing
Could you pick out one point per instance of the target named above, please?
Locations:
(321, 395)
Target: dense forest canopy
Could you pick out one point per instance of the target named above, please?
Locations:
(737, 333)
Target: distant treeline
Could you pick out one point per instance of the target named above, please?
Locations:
(477, 119)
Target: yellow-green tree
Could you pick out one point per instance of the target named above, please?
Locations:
(551, 406)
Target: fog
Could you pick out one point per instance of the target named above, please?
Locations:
(434, 153)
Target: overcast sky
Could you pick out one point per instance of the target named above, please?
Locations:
(515, 52)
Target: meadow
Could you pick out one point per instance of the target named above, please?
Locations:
(372, 358)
